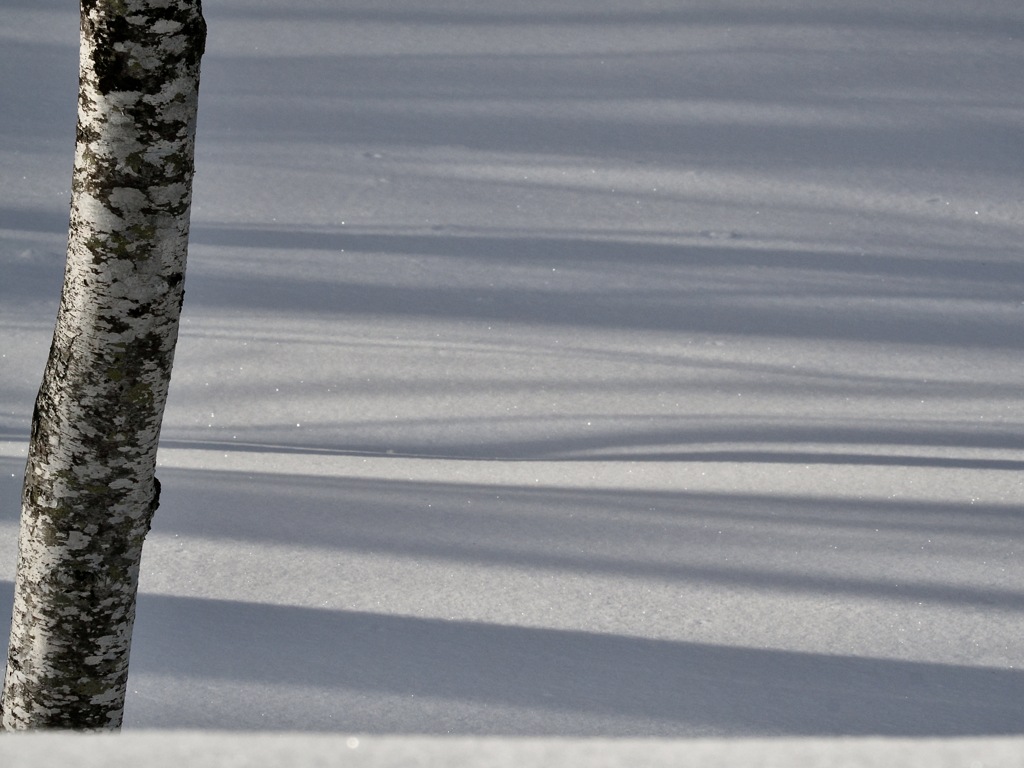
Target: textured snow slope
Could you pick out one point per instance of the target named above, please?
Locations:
(573, 369)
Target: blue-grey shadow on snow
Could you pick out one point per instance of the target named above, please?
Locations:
(33, 266)
(40, 93)
(663, 536)
(895, 445)
(580, 683)
(6, 612)
(805, 458)
(587, 683)
(524, 247)
(951, 20)
(52, 220)
(12, 472)
(759, 292)
(780, 456)
(575, 683)
(416, 99)
(626, 134)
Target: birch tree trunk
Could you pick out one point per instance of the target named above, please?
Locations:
(90, 490)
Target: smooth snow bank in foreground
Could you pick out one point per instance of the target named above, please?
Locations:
(217, 749)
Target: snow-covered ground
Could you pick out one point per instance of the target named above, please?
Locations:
(172, 749)
(572, 368)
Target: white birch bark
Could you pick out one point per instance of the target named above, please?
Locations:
(90, 490)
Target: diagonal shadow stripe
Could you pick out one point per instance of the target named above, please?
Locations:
(579, 678)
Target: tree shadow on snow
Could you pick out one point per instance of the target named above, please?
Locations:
(666, 536)
(713, 289)
(233, 664)
(884, 17)
(459, 677)
(559, 682)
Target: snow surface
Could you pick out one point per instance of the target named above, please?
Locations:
(163, 749)
(576, 368)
